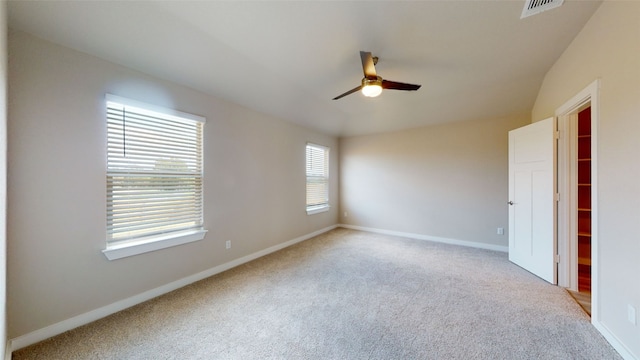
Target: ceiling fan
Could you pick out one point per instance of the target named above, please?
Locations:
(372, 84)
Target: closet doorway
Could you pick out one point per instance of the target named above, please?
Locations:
(583, 214)
(577, 209)
(584, 201)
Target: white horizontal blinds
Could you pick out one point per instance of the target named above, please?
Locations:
(154, 172)
(317, 176)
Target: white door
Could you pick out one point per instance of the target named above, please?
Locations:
(532, 200)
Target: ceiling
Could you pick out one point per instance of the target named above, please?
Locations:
(474, 59)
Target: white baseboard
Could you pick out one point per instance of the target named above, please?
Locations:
(614, 341)
(429, 238)
(88, 317)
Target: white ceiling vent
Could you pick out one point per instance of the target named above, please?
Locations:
(532, 7)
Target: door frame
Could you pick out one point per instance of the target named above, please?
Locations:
(567, 182)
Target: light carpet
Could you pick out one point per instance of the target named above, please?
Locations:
(348, 295)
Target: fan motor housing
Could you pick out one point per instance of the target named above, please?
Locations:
(371, 82)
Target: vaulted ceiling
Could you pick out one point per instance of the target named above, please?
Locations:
(474, 59)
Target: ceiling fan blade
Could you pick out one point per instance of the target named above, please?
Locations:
(393, 85)
(348, 92)
(368, 66)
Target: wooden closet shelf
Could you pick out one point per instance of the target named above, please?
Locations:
(584, 261)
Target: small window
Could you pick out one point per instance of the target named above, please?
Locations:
(154, 177)
(317, 178)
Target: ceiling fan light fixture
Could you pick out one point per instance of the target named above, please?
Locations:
(372, 84)
(371, 87)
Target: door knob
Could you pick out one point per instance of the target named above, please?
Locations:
(510, 202)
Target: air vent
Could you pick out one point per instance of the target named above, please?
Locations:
(532, 7)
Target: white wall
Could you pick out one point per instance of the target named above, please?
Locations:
(608, 48)
(254, 185)
(446, 181)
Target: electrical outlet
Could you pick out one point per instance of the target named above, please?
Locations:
(631, 314)
(500, 231)
(228, 244)
(345, 214)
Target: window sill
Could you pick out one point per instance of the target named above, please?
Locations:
(317, 209)
(152, 243)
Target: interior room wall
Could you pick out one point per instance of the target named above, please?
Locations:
(3, 177)
(447, 182)
(608, 48)
(254, 184)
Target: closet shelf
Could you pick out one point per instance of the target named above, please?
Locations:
(584, 261)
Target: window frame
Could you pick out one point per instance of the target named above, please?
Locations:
(116, 249)
(323, 207)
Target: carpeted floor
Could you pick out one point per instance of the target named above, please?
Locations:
(349, 295)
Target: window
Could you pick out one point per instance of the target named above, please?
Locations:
(154, 177)
(317, 178)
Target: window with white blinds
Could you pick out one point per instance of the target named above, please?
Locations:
(317, 178)
(154, 172)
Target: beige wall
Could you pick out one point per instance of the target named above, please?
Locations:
(447, 181)
(608, 48)
(254, 184)
(3, 176)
